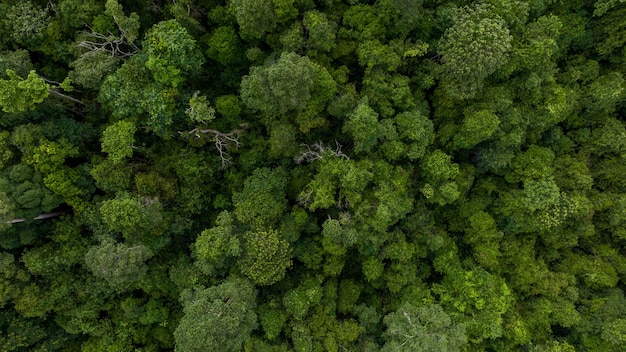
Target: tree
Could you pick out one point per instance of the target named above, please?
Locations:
(26, 194)
(119, 42)
(262, 201)
(20, 95)
(123, 214)
(225, 46)
(215, 247)
(220, 317)
(255, 17)
(291, 85)
(474, 47)
(265, 258)
(101, 53)
(201, 113)
(117, 140)
(118, 263)
(6, 212)
(478, 299)
(364, 128)
(172, 54)
(280, 87)
(301, 299)
(321, 31)
(131, 93)
(416, 130)
(111, 176)
(28, 22)
(422, 329)
(91, 68)
(439, 173)
(476, 127)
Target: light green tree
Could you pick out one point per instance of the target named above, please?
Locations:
(117, 140)
(423, 329)
(215, 247)
(20, 95)
(474, 47)
(266, 257)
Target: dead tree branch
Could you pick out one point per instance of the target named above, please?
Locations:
(317, 151)
(117, 46)
(223, 141)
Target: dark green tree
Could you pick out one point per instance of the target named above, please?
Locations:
(220, 317)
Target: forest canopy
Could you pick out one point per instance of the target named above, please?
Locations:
(312, 175)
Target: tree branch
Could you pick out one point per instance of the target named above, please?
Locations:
(223, 141)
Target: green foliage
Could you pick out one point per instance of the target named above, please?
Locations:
(220, 317)
(426, 328)
(6, 154)
(214, 246)
(281, 87)
(255, 17)
(117, 140)
(363, 126)
(17, 60)
(292, 84)
(321, 31)
(479, 299)
(414, 175)
(477, 127)
(129, 25)
(439, 171)
(473, 48)
(266, 257)
(25, 193)
(172, 53)
(225, 46)
(264, 187)
(417, 130)
(27, 22)
(118, 263)
(131, 92)
(123, 214)
(199, 111)
(20, 95)
(300, 300)
(90, 68)
(228, 106)
(110, 176)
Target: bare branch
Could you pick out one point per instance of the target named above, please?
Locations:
(64, 96)
(223, 141)
(317, 151)
(39, 217)
(118, 46)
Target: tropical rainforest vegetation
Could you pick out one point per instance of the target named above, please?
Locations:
(312, 175)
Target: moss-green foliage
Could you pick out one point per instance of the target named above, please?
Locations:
(298, 175)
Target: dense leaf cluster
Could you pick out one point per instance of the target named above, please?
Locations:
(312, 175)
